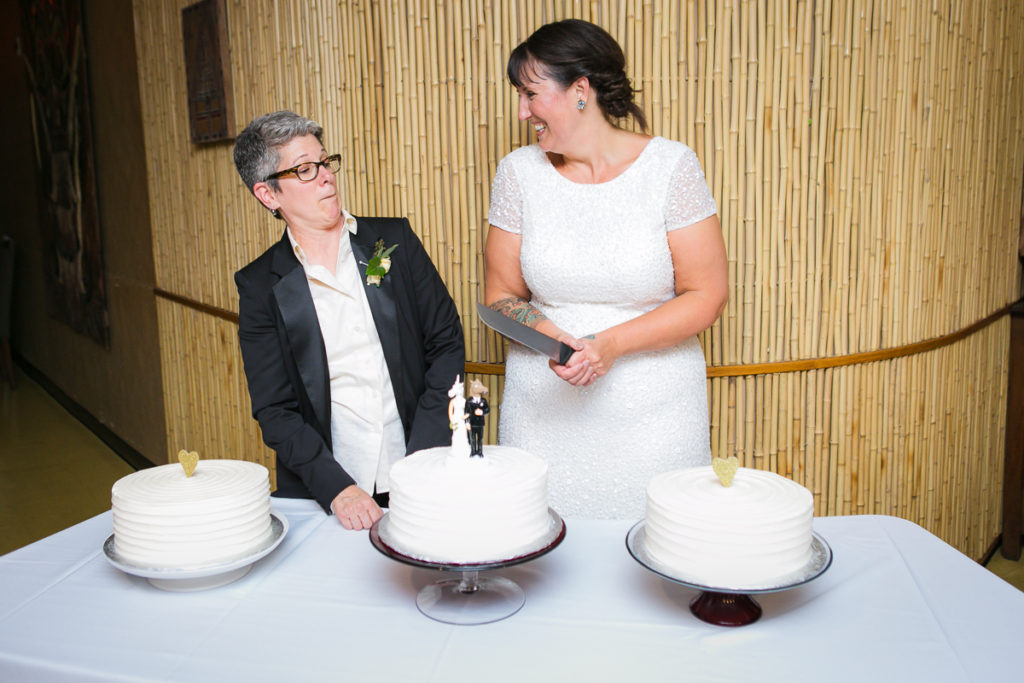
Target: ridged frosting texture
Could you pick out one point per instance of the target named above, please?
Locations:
(445, 509)
(746, 535)
(163, 519)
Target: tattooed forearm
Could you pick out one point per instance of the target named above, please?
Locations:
(519, 309)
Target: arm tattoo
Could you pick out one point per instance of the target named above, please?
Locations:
(519, 309)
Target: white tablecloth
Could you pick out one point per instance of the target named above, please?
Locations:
(896, 604)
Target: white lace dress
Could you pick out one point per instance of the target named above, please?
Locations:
(593, 256)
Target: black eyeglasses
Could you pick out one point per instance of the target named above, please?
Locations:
(309, 170)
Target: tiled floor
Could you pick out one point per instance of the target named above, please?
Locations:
(54, 472)
(1012, 572)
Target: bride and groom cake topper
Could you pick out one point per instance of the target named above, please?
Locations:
(467, 418)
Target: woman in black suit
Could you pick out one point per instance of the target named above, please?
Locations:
(349, 338)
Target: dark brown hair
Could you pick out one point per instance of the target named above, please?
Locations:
(570, 49)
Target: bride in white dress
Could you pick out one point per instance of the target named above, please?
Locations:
(608, 240)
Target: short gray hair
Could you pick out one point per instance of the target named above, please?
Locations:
(256, 147)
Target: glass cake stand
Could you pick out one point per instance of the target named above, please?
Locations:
(469, 599)
(201, 577)
(728, 606)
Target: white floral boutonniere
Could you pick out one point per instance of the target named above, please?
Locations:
(380, 264)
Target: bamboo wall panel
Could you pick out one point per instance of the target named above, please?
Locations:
(911, 437)
(204, 388)
(866, 156)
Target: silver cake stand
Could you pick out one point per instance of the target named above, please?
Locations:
(470, 598)
(725, 605)
(205, 576)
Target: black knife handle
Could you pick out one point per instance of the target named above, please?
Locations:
(564, 352)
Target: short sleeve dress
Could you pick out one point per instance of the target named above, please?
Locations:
(593, 256)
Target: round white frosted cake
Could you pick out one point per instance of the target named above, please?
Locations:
(164, 519)
(746, 535)
(446, 508)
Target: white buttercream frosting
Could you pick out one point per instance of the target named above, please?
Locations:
(746, 535)
(164, 519)
(460, 510)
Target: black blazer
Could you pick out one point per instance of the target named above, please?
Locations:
(286, 362)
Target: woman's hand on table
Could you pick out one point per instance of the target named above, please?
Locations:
(356, 509)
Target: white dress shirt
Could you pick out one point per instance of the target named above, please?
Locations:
(366, 429)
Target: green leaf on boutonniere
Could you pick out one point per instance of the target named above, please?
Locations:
(379, 264)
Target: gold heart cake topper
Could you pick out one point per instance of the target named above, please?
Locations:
(725, 469)
(188, 460)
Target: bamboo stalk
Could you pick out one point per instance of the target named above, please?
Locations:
(866, 158)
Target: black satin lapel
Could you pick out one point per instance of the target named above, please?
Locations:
(305, 339)
(382, 304)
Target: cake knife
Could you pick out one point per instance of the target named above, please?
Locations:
(524, 334)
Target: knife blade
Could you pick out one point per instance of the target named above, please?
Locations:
(524, 334)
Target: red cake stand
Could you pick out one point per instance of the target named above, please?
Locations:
(729, 606)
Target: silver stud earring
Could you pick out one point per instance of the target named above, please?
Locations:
(580, 104)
